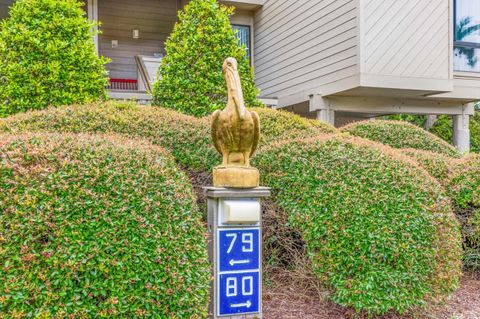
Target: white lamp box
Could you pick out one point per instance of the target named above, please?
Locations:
(240, 212)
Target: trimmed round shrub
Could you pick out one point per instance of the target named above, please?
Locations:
(378, 229)
(98, 227)
(464, 189)
(418, 120)
(461, 177)
(186, 137)
(47, 57)
(190, 77)
(437, 165)
(399, 134)
(282, 125)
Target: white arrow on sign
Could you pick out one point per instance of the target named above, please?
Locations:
(247, 304)
(238, 262)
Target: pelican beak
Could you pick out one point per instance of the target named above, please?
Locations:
(236, 91)
(234, 87)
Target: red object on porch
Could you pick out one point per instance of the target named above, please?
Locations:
(123, 84)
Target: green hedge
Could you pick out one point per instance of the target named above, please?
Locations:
(464, 189)
(97, 227)
(48, 57)
(379, 231)
(437, 165)
(397, 224)
(279, 126)
(400, 135)
(461, 178)
(186, 137)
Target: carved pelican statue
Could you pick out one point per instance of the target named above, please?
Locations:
(235, 130)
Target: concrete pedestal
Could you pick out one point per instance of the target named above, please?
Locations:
(327, 116)
(321, 106)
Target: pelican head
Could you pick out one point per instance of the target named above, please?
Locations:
(230, 66)
(230, 71)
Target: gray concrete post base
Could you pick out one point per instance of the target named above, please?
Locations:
(322, 107)
(430, 121)
(461, 132)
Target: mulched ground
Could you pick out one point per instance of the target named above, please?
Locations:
(285, 304)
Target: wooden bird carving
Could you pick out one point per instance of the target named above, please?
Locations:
(235, 130)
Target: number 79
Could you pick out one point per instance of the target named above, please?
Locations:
(247, 242)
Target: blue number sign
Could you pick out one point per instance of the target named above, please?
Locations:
(238, 271)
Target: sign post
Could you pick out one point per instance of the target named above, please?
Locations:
(235, 250)
(234, 211)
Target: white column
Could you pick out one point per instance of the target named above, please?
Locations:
(327, 116)
(321, 106)
(461, 132)
(93, 16)
(431, 119)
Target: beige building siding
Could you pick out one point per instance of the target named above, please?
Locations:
(153, 18)
(407, 38)
(305, 44)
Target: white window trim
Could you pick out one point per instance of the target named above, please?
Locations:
(243, 17)
(250, 40)
(459, 74)
(466, 75)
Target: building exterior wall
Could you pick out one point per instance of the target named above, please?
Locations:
(407, 38)
(153, 18)
(400, 48)
(301, 45)
(464, 88)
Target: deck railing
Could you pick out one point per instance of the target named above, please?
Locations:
(123, 85)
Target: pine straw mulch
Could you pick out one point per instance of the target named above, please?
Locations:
(291, 302)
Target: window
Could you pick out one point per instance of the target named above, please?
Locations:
(243, 34)
(467, 36)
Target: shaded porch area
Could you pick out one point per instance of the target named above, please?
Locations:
(132, 36)
(133, 33)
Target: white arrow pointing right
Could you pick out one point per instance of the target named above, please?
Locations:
(247, 304)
